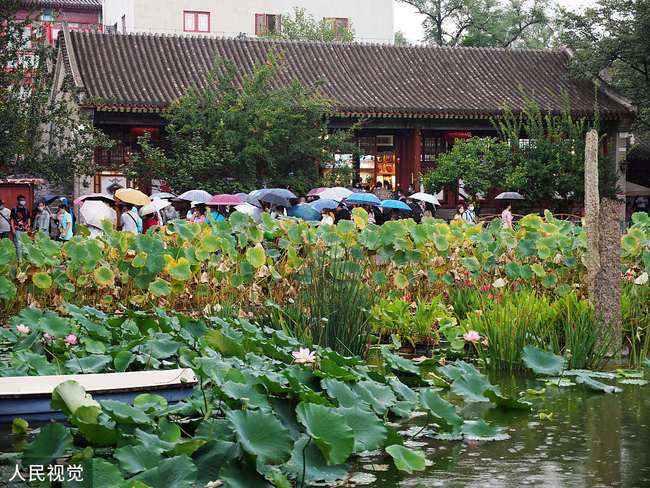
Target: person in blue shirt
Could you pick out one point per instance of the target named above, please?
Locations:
(65, 223)
(212, 217)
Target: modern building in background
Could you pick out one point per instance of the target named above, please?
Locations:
(372, 20)
(85, 15)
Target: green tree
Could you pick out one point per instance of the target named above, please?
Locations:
(237, 133)
(299, 25)
(400, 39)
(481, 162)
(40, 134)
(486, 23)
(611, 43)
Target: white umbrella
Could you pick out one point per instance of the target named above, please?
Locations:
(509, 195)
(94, 212)
(155, 205)
(425, 197)
(200, 196)
(337, 193)
(250, 210)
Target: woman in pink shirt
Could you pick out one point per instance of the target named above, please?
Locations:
(506, 216)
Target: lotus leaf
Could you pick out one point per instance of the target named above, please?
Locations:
(596, 385)
(99, 473)
(369, 431)
(42, 280)
(262, 435)
(175, 472)
(103, 276)
(179, 270)
(328, 430)
(52, 442)
(256, 256)
(442, 412)
(542, 362)
(71, 398)
(160, 287)
(479, 430)
(406, 459)
(316, 467)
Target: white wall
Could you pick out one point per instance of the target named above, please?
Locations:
(372, 20)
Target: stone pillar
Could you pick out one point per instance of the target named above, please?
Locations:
(602, 222)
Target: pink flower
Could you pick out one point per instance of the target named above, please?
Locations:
(48, 337)
(466, 273)
(472, 336)
(406, 298)
(304, 356)
(70, 339)
(486, 288)
(22, 328)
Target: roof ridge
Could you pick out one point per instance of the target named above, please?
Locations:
(325, 43)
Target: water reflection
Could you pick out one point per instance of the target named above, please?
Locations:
(593, 440)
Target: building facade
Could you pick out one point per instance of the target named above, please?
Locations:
(372, 20)
(414, 105)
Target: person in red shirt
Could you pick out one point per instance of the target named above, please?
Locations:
(148, 222)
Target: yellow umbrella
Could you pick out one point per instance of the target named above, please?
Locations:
(133, 196)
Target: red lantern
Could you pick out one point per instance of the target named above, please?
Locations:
(452, 136)
(141, 131)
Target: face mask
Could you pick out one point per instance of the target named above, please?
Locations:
(40, 209)
(22, 202)
(1, 206)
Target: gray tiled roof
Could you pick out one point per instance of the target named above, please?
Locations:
(72, 4)
(149, 71)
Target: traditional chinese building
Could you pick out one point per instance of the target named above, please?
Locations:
(415, 101)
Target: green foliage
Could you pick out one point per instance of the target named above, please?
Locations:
(610, 43)
(481, 162)
(39, 134)
(235, 132)
(299, 25)
(548, 165)
(635, 317)
(487, 23)
(542, 362)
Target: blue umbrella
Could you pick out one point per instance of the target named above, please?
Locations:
(282, 192)
(395, 204)
(47, 199)
(304, 211)
(363, 199)
(321, 204)
(249, 199)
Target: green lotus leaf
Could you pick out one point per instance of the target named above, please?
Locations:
(175, 472)
(178, 287)
(504, 402)
(406, 459)
(526, 247)
(479, 430)
(307, 457)
(235, 474)
(179, 270)
(160, 287)
(538, 269)
(542, 362)
(256, 256)
(149, 402)
(441, 242)
(52, 442)
(124, 413)
(525, 271)
(134, 459)
(7, 289)
(210, 457)
(71, 398)
(262, 435)
(471, 264)
(42, 280)
(400, 280)
(94, 363)
(369, 431)
(103, 276)
(379, 397)
(441, 411)
(341, 392)
(328, 431)
(596, 385)
(549, 280)
(99, 473)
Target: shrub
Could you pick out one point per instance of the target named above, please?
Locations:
(635, 314)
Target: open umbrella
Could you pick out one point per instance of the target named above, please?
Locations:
(288, 194)
(47, 199)
(509, 195)
(304, 211)
(104, 197)
(316, 191)
(249, 199)
(321, 204)
(225, 199)
(162, 195)
(362, 199)
(274, 198)
(156, 205)
(425, 197)
(395, 204)
(337, 193)
(200, 196)
(132, 196)
(250, 210)
(94, 213)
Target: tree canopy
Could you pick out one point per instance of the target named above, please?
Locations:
(40, 135)
(242, 133)
(487, 23)
(299, 25)
(611, 43)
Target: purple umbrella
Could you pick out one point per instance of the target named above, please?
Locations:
(225, 199)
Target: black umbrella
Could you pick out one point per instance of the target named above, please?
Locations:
(274, 198)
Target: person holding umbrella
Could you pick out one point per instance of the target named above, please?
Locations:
(506, 216)
(130, 219)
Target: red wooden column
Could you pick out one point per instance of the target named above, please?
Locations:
(410, 166)
(417, 159)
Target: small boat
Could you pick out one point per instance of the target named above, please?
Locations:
(29, 397)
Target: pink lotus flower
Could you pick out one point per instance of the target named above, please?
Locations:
(406, 298)
(486, 288)
(48, 337)
(70, 339)
(472, 336)
(22, 328)
(304, 356)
